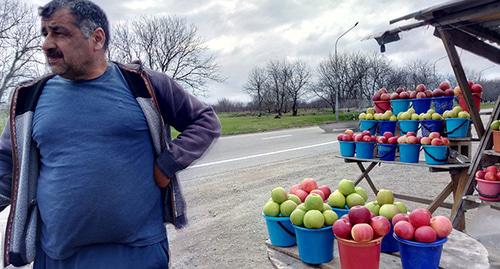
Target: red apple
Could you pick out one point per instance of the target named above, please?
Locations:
(347, 137)
(404, 229)
(346, 217)
(420, 217)
(490, 176)
(413, 94)
(302, 194)
(385, 97)
(404, 95)
(392, 140)
(470, 82)
(437, 92)
(449, 92)
(358, 138)
(480, 174)
(411, 134)
(425, 234)
(445, 141)
(492, 169)
(294, 188)
(425, 141)
(308, 184)
(402, 139)
(420, 88)
(376, 97)
(374, 139)
(428, 93)
(434, 135)
(340, 137)
(457, 91)
(476, 88)
(400, 217)
(394, 95)
(326, 190)
(349, 132)
(420, 95)
(388, 135)
(320, 193)
(412, 140)
(367, 138)
(365, 132)
(342, 229)
(444, 85)
(441, 225)
(400, 90)
(382, 140)
(381, 226)
(362, 232)
(359, 214)
(437, 142)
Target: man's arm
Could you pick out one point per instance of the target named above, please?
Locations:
(197, 122)
(5, 167)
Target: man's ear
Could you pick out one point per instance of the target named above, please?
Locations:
(99, 38)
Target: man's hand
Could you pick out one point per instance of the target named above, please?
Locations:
(161, 180)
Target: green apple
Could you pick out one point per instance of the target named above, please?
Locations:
(279, 195)
(370, 110)
(495, 125)
(421, 116)
(287, 207)
(302, 207)
(431, 111)
(354, 199)
(457, 109)
(271, 209)
(362, 116)
(428, 116)
(314, 202)
(411, 110)
(297, 217)
(336, 199)
(369, 116)
(388, 113)
(402, 207)
(326, 207)
(373, 207)
(314, 219)
(385, 197)
(330, 217)
(361, 191)
(414, 116)
(346, 186)
(405, 116)
(399, 115)
(388, 211)
(436, 116)
(393, 118)
(464, 115)
(294, 198)
(446, 114)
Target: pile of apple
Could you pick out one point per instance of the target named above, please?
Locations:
(444, 89)
(400, 93)
(313, 213)
(421, 91)
(369, 115)
(409, 138)
(387, 138)
(381, 95)
(365, 136)
(456, 112)
(421, 227)
(408, 115)
(347, 194)
(435, 139)
(385, 205)
(281, 203)
(347, 135)
(307, 186)
(359, 225)
(490, 173)
(387, 115)
(430, 115)
(475, 88)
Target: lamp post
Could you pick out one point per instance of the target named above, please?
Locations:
(435, 62)
(336, 67)
(479, 74)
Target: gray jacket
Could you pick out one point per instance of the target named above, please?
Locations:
(164, 104)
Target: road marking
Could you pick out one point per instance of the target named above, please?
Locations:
(260, 155)
(275, 137)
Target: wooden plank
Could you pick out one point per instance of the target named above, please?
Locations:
(366, 176)
(444, 167)
(441, 197)
(481, 32)
(459, 180)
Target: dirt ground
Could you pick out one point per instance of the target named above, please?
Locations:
(226, 229)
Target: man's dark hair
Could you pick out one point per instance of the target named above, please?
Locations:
(88, 15)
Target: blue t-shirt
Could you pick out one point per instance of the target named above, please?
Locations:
(96, 180)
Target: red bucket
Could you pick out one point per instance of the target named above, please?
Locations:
(476, 98)
(381, 106)
(488, 190)
(357, 255)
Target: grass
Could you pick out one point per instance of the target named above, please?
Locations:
(488, 105)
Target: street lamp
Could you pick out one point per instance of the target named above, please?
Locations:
(435, 62)
(336, 68)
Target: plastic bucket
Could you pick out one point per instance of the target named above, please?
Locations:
(387, 126)
(409, 153)
(381, 106)
(357, 255)
(400, 105)
(429, 126)
(406, 126)
(315, 245)
(364, 150)
(347, 148)
(496, 141)
(389, 243)
(443, 103)
(387, 152)
(368, 125)
(340, 211)
(281, 231)
(415, 255)
(476, 98)
(488, 190)
(421, 105)
(436, 154)
(457, 127)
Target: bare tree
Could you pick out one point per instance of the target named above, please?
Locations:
(300, 77)
(170, 45)
(255, 86)
(420, 72)
(279, 74)
(19, 44)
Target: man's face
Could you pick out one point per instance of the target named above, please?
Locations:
(69, 53)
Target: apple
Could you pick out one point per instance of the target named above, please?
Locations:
(420, 88)
(444, 85)
(302, 194)
(392, 140)
(294, 188)
(449, 92)
(326, 190)
(399, 217)
(279, 195)
(402, 207)
(425, 141)
(336, 199)
(491, 168)
(354, 199)
(326, 207)
(330, 217)
(297, 217)
(373, 139)
(287, 207)
(385, 97)
(376, 97)
(385, 197)
(388, 211)
(294, 198)
(320, 193)
(420, 217)
(480, 174)
(404, 229)
(412, 140)
(437, 92)
(442, 225)
(400, 90)
(420, 95)
(362, 232)
(382, 90)
(470, 83)
(413, 94)
(490, 176)
(476, 88)
(342, 228)
(359, 190)
(349, 132)
(388, 135)
(314, 219)
(346, 187)
(340, 137)
(428, 93)
(314, 202)
(434, 135)
(402, 139)
(404, 95)
(308, 184)
(464, 115)
(380, 225)
(437, 142)
(445, 141)
(457, 91)
(382, 140)
(359, 214)
(358, 138)
(425, 234)
(271, 209)
(367, 138)
(373, 207)
(411, 134)
(394, 95)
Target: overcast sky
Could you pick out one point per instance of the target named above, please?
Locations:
(247, 33)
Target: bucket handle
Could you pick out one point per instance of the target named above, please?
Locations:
(292, 234)
(458, 127)
(388, 152)
(436, 159)
(486, 195)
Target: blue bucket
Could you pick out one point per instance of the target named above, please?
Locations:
(368, 125)
(347, 148)
(436, 154)
(364, 150)
(387, 152)
(415, 255)
(400, 105)
(281, 231)
(457, 127)
(443, 103)
(341, 211)
(315, 245)
(421, 105)
(387, 126)
(409, 153)
(389, 243)
(429, 126)
(406, 126)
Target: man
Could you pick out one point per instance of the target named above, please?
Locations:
(86, 159)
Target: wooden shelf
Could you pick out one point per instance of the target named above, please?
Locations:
(436, 168)
(491, 153)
